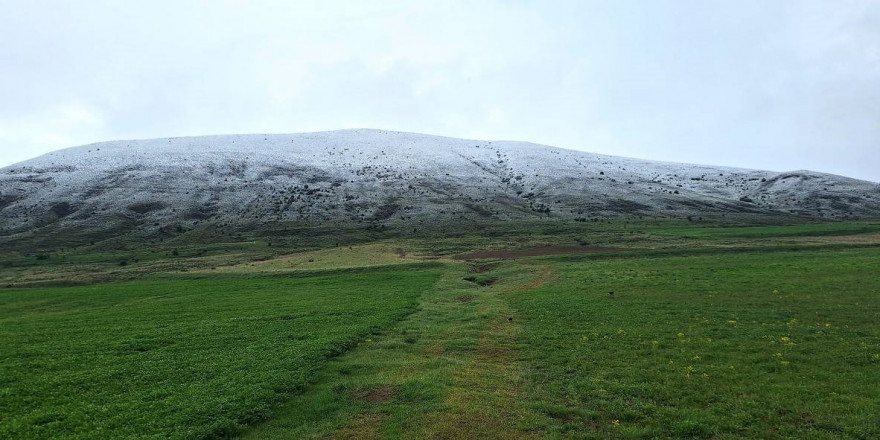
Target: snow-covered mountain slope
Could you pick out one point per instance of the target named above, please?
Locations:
(366, 176)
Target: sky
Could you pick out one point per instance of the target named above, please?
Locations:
(765, 84)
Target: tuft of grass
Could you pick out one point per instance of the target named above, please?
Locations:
(481, 280)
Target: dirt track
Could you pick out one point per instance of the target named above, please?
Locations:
(534, 252)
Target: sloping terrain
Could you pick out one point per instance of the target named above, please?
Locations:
(158, 188)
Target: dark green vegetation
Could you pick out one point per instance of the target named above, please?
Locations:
(714, 332)
(807, 230)
(181, 358)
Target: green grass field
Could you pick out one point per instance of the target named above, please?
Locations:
(743, 345)
(766, 332)
(181, 358)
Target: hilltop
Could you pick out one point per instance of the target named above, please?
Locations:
(224, 185)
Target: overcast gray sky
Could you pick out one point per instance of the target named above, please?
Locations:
(767, 84)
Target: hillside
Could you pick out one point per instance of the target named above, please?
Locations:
(154, 189)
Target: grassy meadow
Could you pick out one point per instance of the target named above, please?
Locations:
(181, 357)
(750, 345)
(666, 331)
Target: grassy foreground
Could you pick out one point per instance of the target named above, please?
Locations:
(732, 345)
(181, 358)
(710, 333)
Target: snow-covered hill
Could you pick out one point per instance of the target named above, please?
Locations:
(150, 187)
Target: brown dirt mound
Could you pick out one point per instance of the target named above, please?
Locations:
(534, 252)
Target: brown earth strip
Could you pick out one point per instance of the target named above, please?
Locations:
(535, 252)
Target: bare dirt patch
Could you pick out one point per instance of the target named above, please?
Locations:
(534, 252)
(376, 395)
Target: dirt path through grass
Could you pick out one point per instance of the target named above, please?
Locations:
(537, 251)
(450, 370)
(485, 400)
